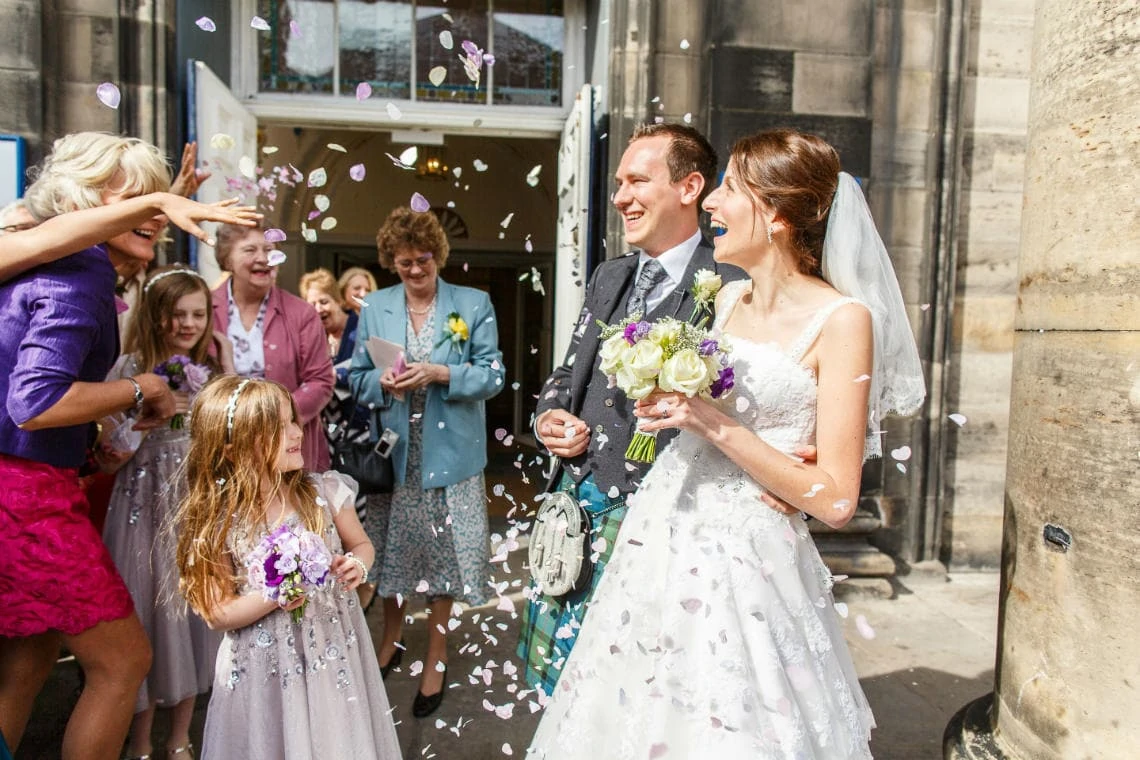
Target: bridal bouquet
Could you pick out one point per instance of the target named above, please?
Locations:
(287, 564)
(180, 373)
(669, 354)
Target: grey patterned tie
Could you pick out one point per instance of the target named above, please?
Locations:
(652, 274)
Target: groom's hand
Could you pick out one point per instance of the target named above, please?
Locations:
(562, 433)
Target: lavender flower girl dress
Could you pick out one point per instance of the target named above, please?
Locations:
(294, 691)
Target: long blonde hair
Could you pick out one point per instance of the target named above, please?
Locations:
(151, 319)
(226, 468)
(82, 166)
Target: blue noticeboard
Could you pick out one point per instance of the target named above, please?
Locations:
(12, 152)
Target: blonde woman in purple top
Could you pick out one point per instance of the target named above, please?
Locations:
(57, 582)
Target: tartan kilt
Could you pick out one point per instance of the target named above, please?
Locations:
(550, 625)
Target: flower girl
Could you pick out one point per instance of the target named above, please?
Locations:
(170, 328)
(261, 552)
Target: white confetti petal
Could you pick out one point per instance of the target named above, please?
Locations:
(322, 202)
(247, 167)
(328, 223)
(437, 75)
(337, 147)
(864, 628)
(901, 454)
(318, 177)
(446, 40)
(108, 94)
(957, 419)
(862, 378)
(841, 608)
(480, 166)
(393, 111)
(276, 258)
(260, 24)
(206, 24)
(532, 176)
(221, 142)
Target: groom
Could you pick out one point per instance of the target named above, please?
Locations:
(664, 174)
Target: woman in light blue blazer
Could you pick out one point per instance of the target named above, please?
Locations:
(433, 527)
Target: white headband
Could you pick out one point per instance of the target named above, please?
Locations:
(167, 273)
(231, 407)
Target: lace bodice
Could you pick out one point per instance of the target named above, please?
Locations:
(774, 396)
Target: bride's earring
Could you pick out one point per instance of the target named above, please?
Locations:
(770, 228)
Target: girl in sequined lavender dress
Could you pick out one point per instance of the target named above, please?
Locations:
(173, 318)
(286, 686)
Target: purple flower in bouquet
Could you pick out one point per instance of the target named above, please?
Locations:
(289, 564)
(180, 373)
(635, 331)
(708, 347)
(725, 379)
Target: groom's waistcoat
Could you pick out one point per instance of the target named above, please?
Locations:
(580, 388)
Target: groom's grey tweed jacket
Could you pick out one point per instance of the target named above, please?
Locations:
(578, 387)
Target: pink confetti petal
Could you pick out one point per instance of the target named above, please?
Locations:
(294, 30)
(356, 172)
(274, 235)
(206, 24)
(419, 203)
(108, 95)
(276, 258)
(363, 91)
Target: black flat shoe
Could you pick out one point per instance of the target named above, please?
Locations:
(425, 704)
(393, 662)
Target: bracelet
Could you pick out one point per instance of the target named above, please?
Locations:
(359, 563)
(139, 398)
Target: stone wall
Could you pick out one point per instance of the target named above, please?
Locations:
(21, 79)
(994, 108)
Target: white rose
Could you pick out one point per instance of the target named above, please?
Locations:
(665, 332)
(643, 359)
(706, 283)
(633, 385)
(611, 353)
(684, 372)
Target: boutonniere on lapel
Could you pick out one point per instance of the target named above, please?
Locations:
(706, 284)
(456, 331)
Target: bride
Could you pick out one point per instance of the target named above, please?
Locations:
(714, 633)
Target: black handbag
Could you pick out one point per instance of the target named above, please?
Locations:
(369, 463)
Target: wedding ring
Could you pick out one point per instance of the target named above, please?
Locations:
(664, 412)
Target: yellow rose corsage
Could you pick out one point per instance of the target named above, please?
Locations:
(456, 331)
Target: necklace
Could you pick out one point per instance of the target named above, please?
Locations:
(419, 312)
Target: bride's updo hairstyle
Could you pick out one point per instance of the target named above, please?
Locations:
(796, 175)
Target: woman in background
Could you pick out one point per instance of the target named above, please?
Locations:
(275, 335)
(355, 283)
(433, 527)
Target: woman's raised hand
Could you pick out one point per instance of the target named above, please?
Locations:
(186, 214)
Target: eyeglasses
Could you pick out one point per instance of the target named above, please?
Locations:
(424, 261)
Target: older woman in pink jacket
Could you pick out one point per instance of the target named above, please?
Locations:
(275, 335)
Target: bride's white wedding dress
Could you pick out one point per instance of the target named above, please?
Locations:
(713, 633)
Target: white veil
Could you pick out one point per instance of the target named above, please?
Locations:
(856, 264)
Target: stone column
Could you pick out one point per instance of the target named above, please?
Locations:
(1068, 666)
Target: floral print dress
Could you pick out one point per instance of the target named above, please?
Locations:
(430, 541)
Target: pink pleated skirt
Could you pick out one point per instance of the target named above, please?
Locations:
(56, 573)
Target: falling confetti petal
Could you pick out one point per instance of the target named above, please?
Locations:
(684, 44)
(957, 419)
(108, 95)
(247, 167)
(446, 40)
(337, 147)
(206, 24)
(318, 178)
(221, 141)
(864, 628)
(457, 171)
(419, 203)
(294, 30)
(260, 24)
(422, 587)
(276, 258)
(321, 202)
(437, 75)
(841, 504)
(507, 750)
(409, 156)
(507, 220)
(658, 750)
(310, 235)
(688, 117)
(363, 91)
(841, 608)
(901, 454)
(532, 176)
(356, 172)
(269, 150)
(862, 378)
(393, 111)
(274, 235)
(328, 223)
(901, 467)
(480, 166)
